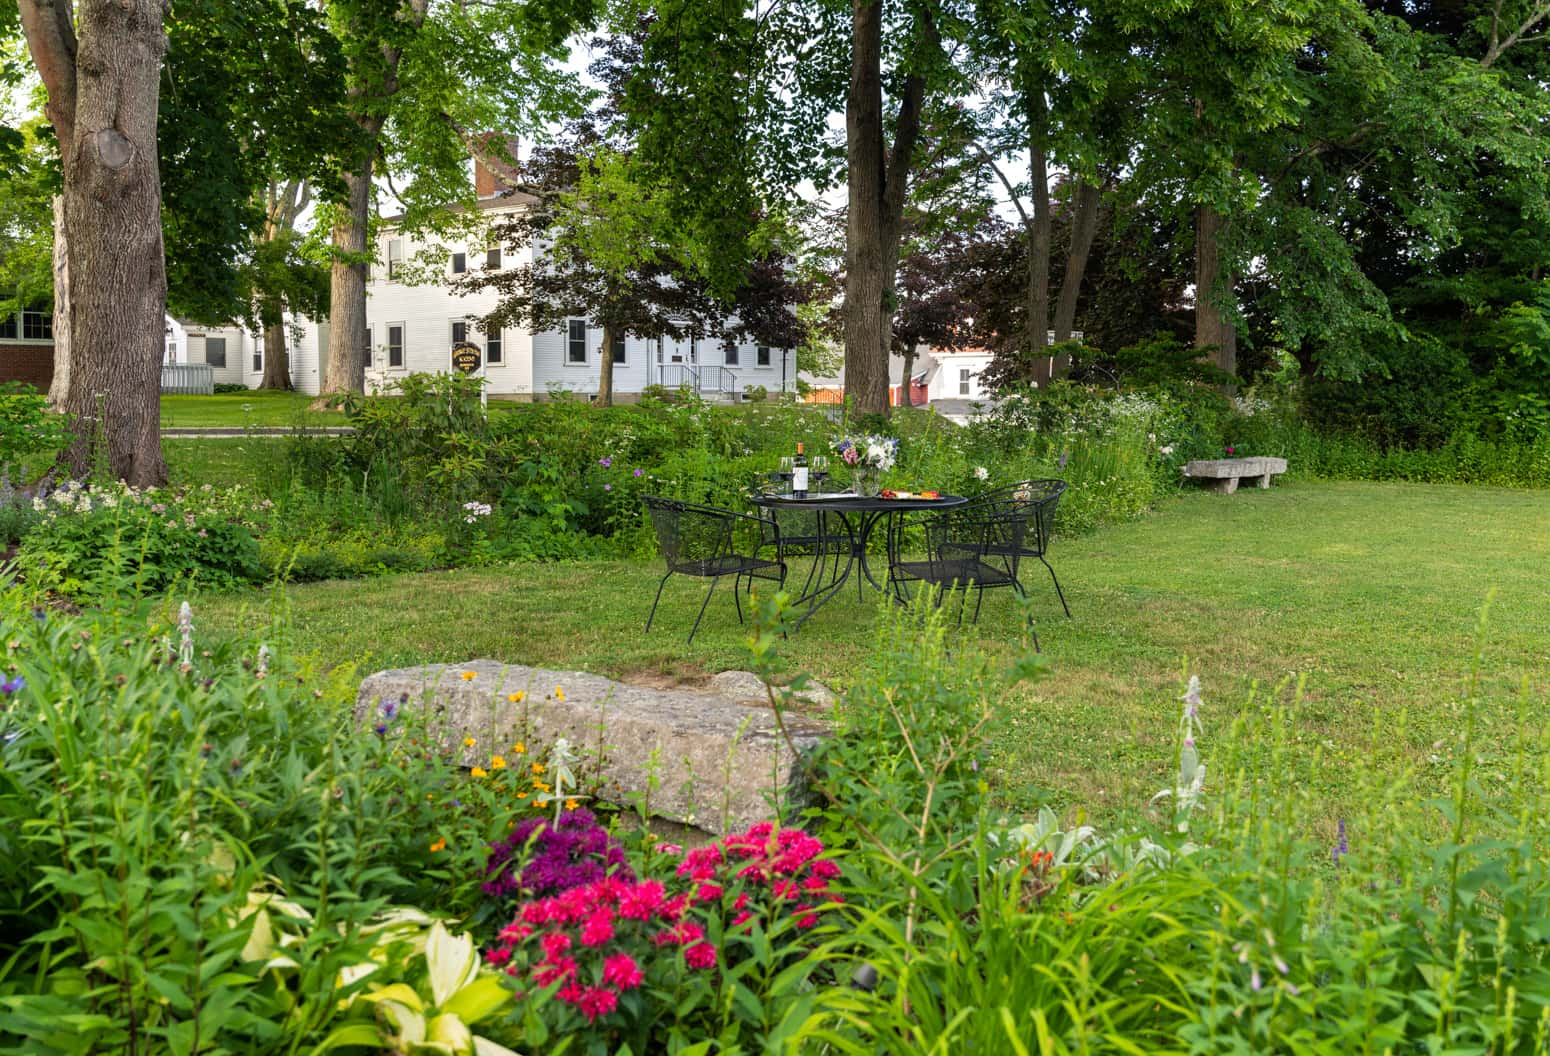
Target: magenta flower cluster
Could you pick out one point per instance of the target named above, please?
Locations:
(596, 942)
(540, 858)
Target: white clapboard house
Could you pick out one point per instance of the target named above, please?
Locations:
(412, 328)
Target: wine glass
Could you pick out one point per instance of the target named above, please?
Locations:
(785, 468)
(819, 464)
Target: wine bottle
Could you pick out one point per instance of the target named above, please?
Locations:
(799, 473)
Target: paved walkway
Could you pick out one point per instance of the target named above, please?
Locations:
(173, 432)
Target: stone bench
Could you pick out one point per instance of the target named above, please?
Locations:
(718, 757)
(1223, 474)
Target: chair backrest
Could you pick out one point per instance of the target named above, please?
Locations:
(689, 532)
(1038, 499)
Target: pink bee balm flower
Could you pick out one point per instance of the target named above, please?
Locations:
(642, 900)
(621, 970)
(559, 968)
(701, 955)
(555, 943)
(597, 1001)
(599, 927)
(707, 893)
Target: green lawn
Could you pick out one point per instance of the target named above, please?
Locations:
(243, 410)
(1371, 592)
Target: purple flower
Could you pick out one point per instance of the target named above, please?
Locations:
(1064, 458)
(390, 708)
(640, 472)
(381, 729)
(605, 461)
(1342, 847)
(608, 487)
(540, 859)
(15, 685)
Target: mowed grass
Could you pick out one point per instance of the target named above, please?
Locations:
(1369, 593)
(244, 410)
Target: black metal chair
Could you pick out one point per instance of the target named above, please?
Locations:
(701, 541)
(958, 545)
(1038, 500)
(807, 531)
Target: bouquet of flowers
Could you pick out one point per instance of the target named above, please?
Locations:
(871, 452)
(868, 457)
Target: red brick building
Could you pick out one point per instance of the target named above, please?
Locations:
(27, 348)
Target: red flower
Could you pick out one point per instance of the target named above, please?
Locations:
(707, 893)
(559, 968)
(621, 970)
(700, 955)
(639, 902)
(555, 943)
(597, 1001)
(599, 927)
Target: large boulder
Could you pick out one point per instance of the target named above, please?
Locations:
(714, 758)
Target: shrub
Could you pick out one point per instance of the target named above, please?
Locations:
(27, 427)
(90, 539)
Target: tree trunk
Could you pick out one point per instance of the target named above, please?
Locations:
(117, 271)
(1084, 226)
(605, 370)
(909, 369)
(277, 360)
(1036, 339)
(59, 387)
(1212, 286)
(877, 181)
(347, 287)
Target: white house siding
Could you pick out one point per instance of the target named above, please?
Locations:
(532, 366)
(947, 382)
(238, 369)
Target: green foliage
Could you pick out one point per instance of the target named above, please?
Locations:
(27, 427)
(89, 540)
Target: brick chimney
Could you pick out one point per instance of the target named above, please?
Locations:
(493, 171)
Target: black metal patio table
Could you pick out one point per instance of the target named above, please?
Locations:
(857, 515)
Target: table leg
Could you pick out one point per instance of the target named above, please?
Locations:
(868, 522)
(824, 594)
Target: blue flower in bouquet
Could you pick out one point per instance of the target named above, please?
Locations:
(872, 452)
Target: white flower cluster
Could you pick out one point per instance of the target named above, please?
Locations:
(472, 511)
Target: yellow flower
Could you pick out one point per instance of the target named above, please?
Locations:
(498, 762)
(479, 771)
(538, 768)
(518, 748)
(571, 804)
(540, 786)
(469, 676)
(521, 795)
(516, 698)
(439, 845)
(559, 694)
(468, 742)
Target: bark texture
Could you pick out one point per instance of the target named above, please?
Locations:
(1084, 225)
(277, 358)
(346, 370)
(909, 369)
(59, 388)
(605, 370)
(1212, 285)
(283, 206)
(877, 179)
(1036, 339)
(102, 75)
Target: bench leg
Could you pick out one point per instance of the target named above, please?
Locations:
(1223, 485)
(1264, 482)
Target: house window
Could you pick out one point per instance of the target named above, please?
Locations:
(368, 354)
(731, 351)
(395, 257)
(492, 258)
(618, 347)
(963, 381)
(258, 359)
(37, 326)
(459, 333)
(694, 350)
(492, 347)
(762, 355)
(395, 343)
(459, 263)
(215, 351)
(7, 325)
(576, 341)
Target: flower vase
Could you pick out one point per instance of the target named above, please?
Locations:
(866, 481)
